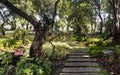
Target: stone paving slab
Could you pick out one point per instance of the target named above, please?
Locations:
(82, 51)
(81, 70)
(81, 74)
(78, 53)
(81, 64)
(80, 60)
(79, 56)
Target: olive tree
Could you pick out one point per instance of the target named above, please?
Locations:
(28, 10)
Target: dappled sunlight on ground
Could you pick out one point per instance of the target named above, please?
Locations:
(77, 45)
(86, 56)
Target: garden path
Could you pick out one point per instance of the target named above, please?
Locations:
(79, 62)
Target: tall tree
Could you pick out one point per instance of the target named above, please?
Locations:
(115, 4)
(80, 17)
(98, 8)
(40, 26)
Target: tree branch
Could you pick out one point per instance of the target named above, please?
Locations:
(19, 12)
(55, 11)
(110, 2)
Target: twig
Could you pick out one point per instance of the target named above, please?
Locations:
(50, 41)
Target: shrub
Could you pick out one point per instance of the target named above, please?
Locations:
(92, 42)
(3, 69)
(60, 51)
(21, 34)
(20, 37)
(30, 66)
(26, 66)
(96, 51)
(1, 44)
(6, 60)
(13, 43)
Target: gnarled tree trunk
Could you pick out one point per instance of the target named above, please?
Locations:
(116, 38)
(39, 39)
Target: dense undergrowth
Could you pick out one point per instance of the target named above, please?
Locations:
(106, 53)
(25, 65)
(30, 66)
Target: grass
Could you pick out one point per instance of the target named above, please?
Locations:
(60, 51)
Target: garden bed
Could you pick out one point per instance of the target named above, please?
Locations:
(111, 62)
(108, 57)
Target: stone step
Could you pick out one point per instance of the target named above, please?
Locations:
(78, 53)
(80, 60)
(81, 70)
(81, 74)
(81, 64)
(79, 56)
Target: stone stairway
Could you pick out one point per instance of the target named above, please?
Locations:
(81, 63)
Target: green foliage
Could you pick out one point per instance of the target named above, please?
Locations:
(9, 43)
(6, 60)
(102, 43)
(60, 51)
(63, 8)
(12, 43)
(26, 66)
(97, 42)
(31, 37)
(1, 43)
(30, 66)
(96, 51)
(78, 17)
(20, 37)
(91, 41)
(3, 69)
(20, 34)
(97, 45)
(73, 39)
(47, 67)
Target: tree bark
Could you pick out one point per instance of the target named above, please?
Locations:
(116, 16)
(101, 24)
(36, 47)
(116, 38)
